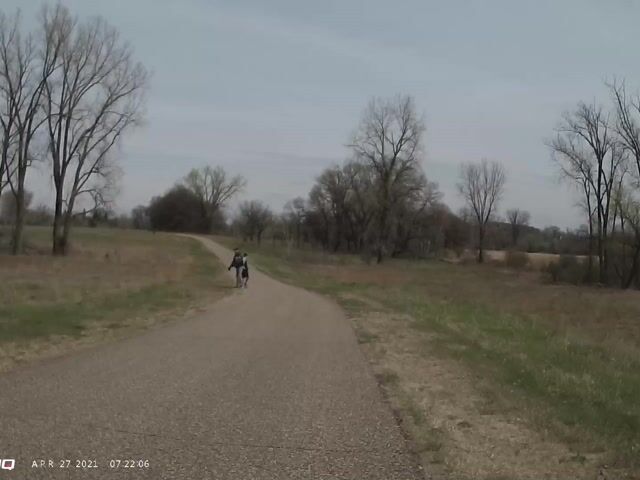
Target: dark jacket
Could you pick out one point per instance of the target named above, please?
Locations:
(236, 262)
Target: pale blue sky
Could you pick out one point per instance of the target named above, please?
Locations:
(272, 90)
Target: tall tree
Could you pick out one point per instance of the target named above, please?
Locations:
(22, 79)
(517, 220)
(629, 210)
(389, 140)
(214, 188)
(481, 186)
(334, 188)
(94, 96)
(295, 212)
(254, 218)
(360, 178)
(627, 122)
(588, 154)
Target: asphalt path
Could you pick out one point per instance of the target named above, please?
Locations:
(267, 383)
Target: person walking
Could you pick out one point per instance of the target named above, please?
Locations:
(245, 270)
(236, 262)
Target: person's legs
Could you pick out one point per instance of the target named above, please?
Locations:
(238, 278)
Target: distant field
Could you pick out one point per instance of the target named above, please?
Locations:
(537, 261)
(496, 373)
(111, 282)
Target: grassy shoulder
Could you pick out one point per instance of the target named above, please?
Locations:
(549, 373)
(112, 282)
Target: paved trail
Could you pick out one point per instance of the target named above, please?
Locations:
(269, 383)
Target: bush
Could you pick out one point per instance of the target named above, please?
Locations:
(567, 269)
(515, 259)
(178, 210)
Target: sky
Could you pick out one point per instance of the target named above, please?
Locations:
(273, 90)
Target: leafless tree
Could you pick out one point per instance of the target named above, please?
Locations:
(389, 140)
(294, 215)
(334, 188)
(22, 79)
(361, 200)
(628, 206)
(254, 218)
(93, 97)
(587, 153)
(214, 188)
(517, 219)
(627, 123)
(481, 186)
(414, 197)
(9, 205)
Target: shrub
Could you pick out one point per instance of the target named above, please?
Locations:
(567, 269)
(516, 259)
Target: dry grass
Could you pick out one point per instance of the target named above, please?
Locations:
(537, 261)
(603, 315)
(496, 373)
(112, 281)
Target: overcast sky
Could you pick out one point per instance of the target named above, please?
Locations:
(273, 89)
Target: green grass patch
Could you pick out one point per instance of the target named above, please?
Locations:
(581, 385)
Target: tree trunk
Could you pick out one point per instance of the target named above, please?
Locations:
(66, 231)
(634, 269)
(18, 228)
(57, 246)
(590, 256)
(602, 274)
(481, 245)
(381, 235)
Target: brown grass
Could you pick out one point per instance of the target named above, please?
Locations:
(495, 373)
(112, 282)
(607, 315)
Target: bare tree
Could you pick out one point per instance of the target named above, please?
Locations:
(214, 188)
(588, 155)
(22, 79)
(9, 205)
(627, 123)
(334, 188)
(517, 219)
(140, 218)
(416, 196)
(361, 200)
(94, 96)
(295, 212)
(389, 139)
(630, 214)
(319, 217)
(254, 218)
(481, 186)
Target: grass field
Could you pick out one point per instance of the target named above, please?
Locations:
(111, 282)
(497, 374)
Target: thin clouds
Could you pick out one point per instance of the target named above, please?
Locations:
(273, 89)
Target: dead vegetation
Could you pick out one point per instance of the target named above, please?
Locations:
(111, 282)
(495, 372)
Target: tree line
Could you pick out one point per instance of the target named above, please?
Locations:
(597, 151)
(380, 203)
(69, 91)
